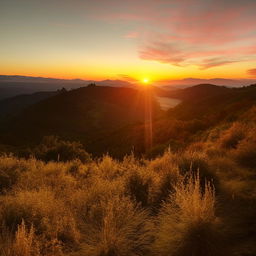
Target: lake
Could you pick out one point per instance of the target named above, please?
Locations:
(167, 103)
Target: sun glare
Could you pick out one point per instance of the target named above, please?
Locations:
(145, 80)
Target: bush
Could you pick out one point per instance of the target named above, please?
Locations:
(165, 188)
(233, 136)
(138, 188)
(245, 153)
(53, 149)
(164, 163)
(193, 162)
(82, 201)
(53, 175)
(40, 209)
(117, 227)
(187, 222)
(108, 168)
(25, 243)
(10, 170)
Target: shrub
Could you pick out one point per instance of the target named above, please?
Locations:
(164, 163)
(53, 175)
(245, 153)
(187, 222)
(50, 217)
(190, 161)
(10, 170)
(166, 187)
(25, 243)
(138, 187)
(83, 200)
(108, 168)
(166, 175)
(233, 136)
(54, 149)
(117, 227)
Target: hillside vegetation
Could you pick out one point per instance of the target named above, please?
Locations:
(192, 194)
(112, 120)
(200, 201)
(98, 117)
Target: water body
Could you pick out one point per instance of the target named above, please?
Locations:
(167, 103)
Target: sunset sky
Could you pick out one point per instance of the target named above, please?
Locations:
(129, 40)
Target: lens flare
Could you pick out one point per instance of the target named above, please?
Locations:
(148, 119)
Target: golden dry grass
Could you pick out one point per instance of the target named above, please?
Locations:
(165, 206)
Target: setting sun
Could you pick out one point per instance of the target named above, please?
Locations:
(145, 80)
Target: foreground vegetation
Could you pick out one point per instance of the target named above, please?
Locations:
(187, 203)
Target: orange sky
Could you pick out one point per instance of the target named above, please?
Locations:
(158, 40)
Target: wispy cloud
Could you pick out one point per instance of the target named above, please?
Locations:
(127, 78)
(206, 33)
(131, 35)
(252, 72)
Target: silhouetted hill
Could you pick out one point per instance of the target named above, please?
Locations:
(11, 89)
(14, 105)
(85, 114)
(11, 86)
(209, 101)
(197, 92)
(188, 82)
(108, 119)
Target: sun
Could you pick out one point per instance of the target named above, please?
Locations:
(145, 80)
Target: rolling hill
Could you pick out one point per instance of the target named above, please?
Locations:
(86, 114)
(14, 105)
(108, 119)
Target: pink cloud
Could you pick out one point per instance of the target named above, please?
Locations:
(187, 54)
(165, 53)
(252, 72)
(132, 34)
(198, 32)
(214, 62)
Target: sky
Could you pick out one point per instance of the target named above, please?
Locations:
(129, 40)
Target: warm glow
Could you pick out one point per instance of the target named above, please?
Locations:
(132, 50)
(145, 80)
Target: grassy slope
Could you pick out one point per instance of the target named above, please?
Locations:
(137, 207)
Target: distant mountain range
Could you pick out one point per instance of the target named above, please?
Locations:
(11, 86)
(43, 80)
(187, 82)
(15, 85)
